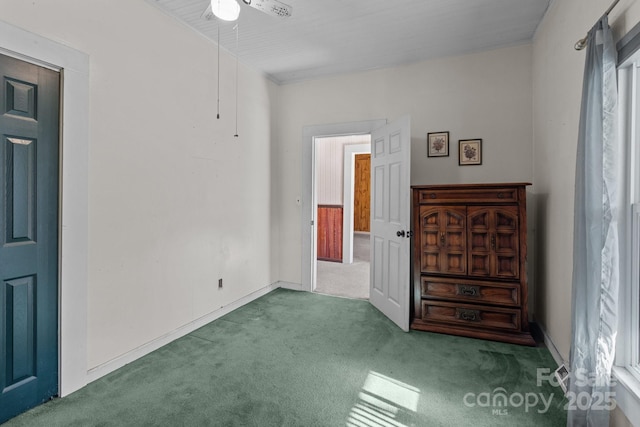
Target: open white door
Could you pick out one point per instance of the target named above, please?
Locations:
(390, 220)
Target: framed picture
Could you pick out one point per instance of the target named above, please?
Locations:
(438, 144)
(470, 152)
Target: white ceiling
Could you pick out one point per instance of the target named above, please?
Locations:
(328, 37)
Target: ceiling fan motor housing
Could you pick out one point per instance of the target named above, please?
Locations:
(271, 7)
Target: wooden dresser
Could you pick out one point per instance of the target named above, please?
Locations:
(469, 260)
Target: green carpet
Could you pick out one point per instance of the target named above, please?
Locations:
(300, 359)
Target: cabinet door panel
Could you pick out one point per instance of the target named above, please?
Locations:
(506, 266)
(480, 248)
(430, 240)
(454, 244)
(480, 264)
(455, 263)
(506, 218)
(493, 241)
(479, 219)
(507, 242)
(443, 243)
(479, 252)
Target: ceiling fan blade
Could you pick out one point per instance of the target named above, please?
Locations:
(271, 7)
(208, 13)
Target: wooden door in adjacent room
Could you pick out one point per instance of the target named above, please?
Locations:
(362, 193)
(29, 133)
(329, 233)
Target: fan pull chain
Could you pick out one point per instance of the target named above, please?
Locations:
(218, 115)
(237, 29)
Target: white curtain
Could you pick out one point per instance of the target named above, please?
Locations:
(595, 251)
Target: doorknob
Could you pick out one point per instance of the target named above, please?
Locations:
(400, 233)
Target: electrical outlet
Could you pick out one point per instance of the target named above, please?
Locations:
(219, 283)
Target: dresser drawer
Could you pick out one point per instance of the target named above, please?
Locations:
(471, 291)
(471, 315)
(470, 195)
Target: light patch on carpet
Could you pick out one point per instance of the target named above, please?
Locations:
(384, 402)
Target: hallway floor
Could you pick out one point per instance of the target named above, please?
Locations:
(347, 280)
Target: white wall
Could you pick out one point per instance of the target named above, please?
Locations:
(330, 167)
(485, 95)
(175, 201)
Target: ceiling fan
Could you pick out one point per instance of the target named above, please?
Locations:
(270, 7)
(228, 10)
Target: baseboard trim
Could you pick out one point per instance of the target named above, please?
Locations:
(120, 361)
(291, 286)
(551, 346)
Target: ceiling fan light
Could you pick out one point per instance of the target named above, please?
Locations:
(227, 10)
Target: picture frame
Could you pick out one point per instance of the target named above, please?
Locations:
(438, 144)
(469, 152)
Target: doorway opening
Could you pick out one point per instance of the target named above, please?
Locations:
(307, 198)
(389, 285)
(342, 206)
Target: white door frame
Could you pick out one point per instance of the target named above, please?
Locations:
(350, 152)
(74, 177)
(309, 133)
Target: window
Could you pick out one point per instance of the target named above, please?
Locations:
(627, 369)
(634, 283)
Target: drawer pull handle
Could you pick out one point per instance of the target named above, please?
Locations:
(442, 238)
(432, 195)
(469, 291)
(493, 241)
(469, 315)
(500, 196)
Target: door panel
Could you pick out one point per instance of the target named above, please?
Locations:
(362, 193)
(390, 168)
(20, 184)
(395, 193)
(378, 195)
(29, 102)
(395, 275)
(21, 308)
(377, 264)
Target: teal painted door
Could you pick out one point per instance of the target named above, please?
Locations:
(29, 129)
